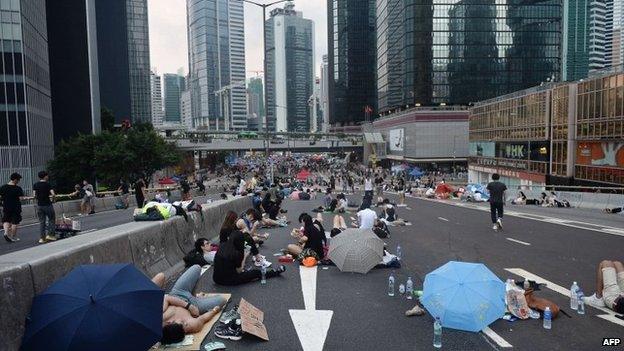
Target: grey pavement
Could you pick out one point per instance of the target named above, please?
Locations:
(365, 318)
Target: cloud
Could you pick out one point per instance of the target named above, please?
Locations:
(168, 41)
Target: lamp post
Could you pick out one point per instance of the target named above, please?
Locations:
(266, 100)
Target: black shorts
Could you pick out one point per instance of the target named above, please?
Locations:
(11, 216)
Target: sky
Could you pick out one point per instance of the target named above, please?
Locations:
(168, 42)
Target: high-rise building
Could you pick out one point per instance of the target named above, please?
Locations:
(26, 136)
(216, 38)
(158, 113)
(255, 90)
(458, 52)
(606, 23)
(290, 66)
(185, 109)
(173, 86)
(324, 94)
(575, 45)
(73, 60)
(351, 60)
(123, 58)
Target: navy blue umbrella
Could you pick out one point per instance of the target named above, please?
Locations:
(97, 307)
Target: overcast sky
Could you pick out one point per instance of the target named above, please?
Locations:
(169, 51)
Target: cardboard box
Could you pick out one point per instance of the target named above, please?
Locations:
(252, 320)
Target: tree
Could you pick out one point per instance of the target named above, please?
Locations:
(110, 156)
(107, 119)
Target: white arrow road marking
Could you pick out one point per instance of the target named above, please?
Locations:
(311, 325)
(519, 242)
(609, 316)
(496, 338)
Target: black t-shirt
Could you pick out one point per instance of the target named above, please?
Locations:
(315, 241)
(496, 189)
(225, 269)
(11, 197)
(125, 189)
(42, 192)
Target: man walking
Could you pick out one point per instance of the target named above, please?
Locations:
(45, 210)
(497, 201)
(11, 195)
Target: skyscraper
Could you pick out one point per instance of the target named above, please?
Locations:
(74, 76)
(256, 90)
(325, 94)
(185, 109)
(432, 52)
(26, 136)
(575, 46)
(290, 66)
(606, 48)
(123, 56)
(158, 114)
(351, 59)
(173, 87)
(216, 39)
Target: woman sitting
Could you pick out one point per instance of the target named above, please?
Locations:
(201, 255)
(339, 225)
(229, 226)
(389, 216)
(230, 260)
(520, 199)
(311, 236)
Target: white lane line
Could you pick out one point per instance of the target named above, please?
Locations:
(609, 316)
(308, 286)
(443, 219)
(519, 242)
(88, 231)
(496, 338)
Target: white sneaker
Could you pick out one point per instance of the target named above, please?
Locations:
(594, 301)
(499, 222)
(495, 227)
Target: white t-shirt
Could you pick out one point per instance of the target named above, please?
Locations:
(368, 185)
(242, 186)
(366, 218)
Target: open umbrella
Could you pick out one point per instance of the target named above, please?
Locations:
(416, 172)
(97, 307)
(465, 296)
(356, 250)
(303, 175)
(443, 188)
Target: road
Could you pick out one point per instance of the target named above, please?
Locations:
(365, 318)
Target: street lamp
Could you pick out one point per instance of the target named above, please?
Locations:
(266, 100)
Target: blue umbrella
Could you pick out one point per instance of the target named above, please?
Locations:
(416, 172)
(465, 296)
(97, 307)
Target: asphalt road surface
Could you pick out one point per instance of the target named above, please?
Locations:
(365, 318)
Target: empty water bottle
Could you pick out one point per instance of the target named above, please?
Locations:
(574, 289)
(581, 303)
(263, 272)
(398, 252)
(437, 333)
(391, 285)
(547, 318)
(409, 288)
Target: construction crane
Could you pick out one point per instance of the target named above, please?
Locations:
(224, 99)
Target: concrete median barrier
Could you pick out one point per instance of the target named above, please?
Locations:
(153, 247)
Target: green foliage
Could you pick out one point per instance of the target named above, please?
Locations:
(111, 156)
(107, 118)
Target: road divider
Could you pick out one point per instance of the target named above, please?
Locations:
(152, 247)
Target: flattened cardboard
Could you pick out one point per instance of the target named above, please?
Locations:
(252, 320)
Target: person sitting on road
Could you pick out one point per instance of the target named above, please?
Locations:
(609, 287)
(248, 226)
(366, 218)
(230, 261)
(430, 193)
(520, 199)
(310, 236)
(339, 225)
(613, 210)
(183, 312)
(201, 255)
(342, 203)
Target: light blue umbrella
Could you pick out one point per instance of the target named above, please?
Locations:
(465, 296)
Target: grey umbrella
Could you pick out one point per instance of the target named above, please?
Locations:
(356, 250)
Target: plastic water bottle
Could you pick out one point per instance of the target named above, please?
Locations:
(574, 289)
(547, 318)
(398, 252)
(391, 285)
(581, 303)
(409, 288)
(437, 334)
(263, 272)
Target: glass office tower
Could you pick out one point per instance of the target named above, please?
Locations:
(462, 51)
(26, 137)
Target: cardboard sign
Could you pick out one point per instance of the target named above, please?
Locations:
(252, 320)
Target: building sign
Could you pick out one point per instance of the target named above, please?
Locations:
(482, 149)
(397, 139)
(608, 154)
(513, 150)
(508, 163)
